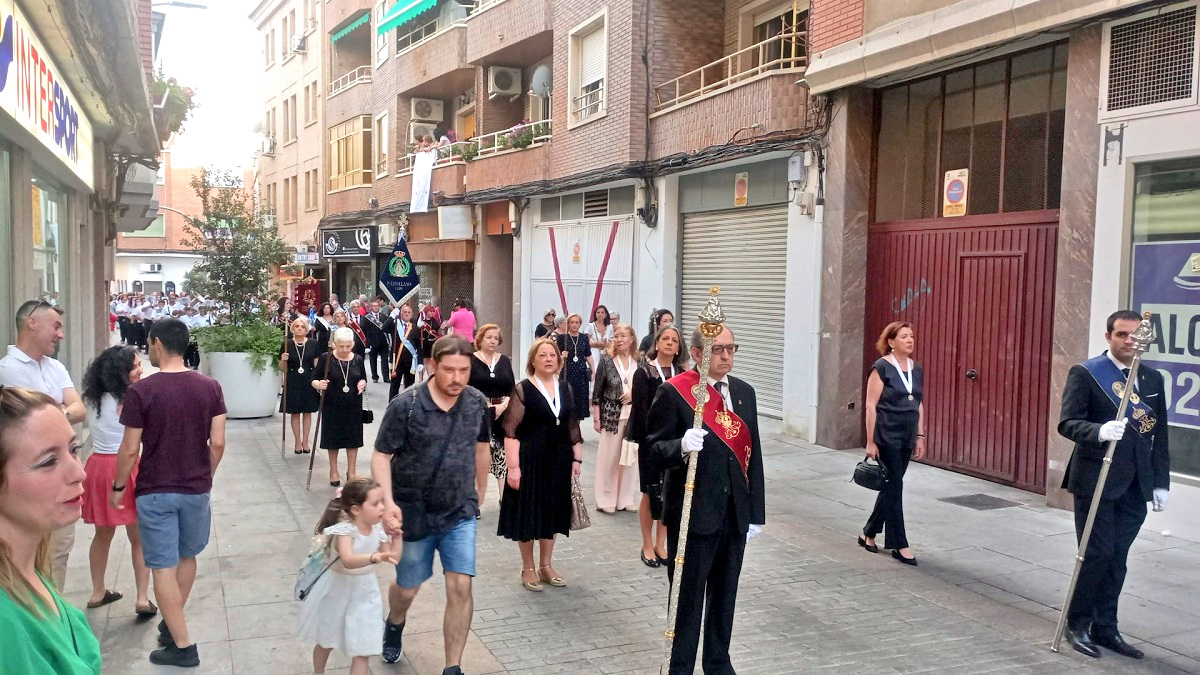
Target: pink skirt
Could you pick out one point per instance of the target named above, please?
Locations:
(101, 470)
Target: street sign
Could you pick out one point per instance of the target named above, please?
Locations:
(741, 188)
(954, 194)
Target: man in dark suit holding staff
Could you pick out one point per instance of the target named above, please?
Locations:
(1140, 473)
(728, 505)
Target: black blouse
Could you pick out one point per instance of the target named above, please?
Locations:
(492, 387)
(897, 414)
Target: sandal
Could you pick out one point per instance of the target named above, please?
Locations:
(530, 585)
(148, 612)
(109, 597)
(557, 582)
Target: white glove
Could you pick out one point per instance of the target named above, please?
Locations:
(693, 440)
(753, 532)
(1160, 499)
(1114, 430)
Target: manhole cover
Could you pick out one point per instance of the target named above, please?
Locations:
(980, 502)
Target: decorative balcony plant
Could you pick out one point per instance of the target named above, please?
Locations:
(470, 151)
(173, 104)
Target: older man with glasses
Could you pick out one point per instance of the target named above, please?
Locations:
(30, 364)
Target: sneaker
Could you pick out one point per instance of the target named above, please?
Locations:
(453, 670)
(164, 634)
(187, 657)
(393, 641)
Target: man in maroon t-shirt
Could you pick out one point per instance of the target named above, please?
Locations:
(176, 418)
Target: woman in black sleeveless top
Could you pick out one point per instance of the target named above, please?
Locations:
(895, 434)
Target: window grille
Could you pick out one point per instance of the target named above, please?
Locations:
(1152, 60)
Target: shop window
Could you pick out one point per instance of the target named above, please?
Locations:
(1002, 120)
(1165, 280)
(50, 253)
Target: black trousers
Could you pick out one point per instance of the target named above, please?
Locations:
(141, 333)
(1102, 574)
(712, 565)
(191, 358)
(123, 325)
(378, 358)
(402, 381)
(888, 515)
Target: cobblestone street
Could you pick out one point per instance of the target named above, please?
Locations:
(982, 600)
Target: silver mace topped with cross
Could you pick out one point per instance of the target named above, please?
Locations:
(1142, 337)
(711, 318)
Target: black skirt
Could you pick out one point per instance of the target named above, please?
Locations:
(541, 508)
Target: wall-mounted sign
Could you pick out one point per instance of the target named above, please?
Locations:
(954, 194)
(33, 93)
(576, 253)
(348, 242)
(307, 258)
(741, 188)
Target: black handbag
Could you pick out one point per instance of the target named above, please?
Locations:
(870, 474)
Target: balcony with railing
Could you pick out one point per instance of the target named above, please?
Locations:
(360, 75)
(510, 32)
(508, 157)
(431, 54)
(754, 87)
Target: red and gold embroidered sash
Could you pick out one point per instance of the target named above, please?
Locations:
(723, 423)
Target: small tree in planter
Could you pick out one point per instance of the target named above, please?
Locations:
(240, 245)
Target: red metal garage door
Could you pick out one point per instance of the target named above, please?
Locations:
(979, 292)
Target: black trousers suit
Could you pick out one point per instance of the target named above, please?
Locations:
(724, 504)
(888, 514)
(1140, 464)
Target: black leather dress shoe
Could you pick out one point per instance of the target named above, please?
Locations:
(1113, 640)
(1081, 640)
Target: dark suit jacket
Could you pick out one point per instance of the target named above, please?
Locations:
(718, 475)
(375, 332)
(1139, 461)
(391, 327)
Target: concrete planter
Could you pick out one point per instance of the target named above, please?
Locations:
(248, 393)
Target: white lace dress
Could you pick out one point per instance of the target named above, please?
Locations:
(345, 608)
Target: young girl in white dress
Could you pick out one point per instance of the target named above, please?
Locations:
(344, 607)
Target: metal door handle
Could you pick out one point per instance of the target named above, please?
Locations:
(971, 374)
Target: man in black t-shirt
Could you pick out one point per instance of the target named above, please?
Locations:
(425, 460)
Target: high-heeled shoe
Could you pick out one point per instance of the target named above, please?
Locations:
(662, 560)
(871, 548)
(534, 586)
(650, 562)
(557, 582)
(907, 561)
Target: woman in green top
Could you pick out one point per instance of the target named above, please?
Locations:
(41, 490)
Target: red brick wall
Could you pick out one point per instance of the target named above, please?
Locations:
(510, 168)
(506, 24)
(357, 100)
(833, 22)
(353, 199)
(431, 59)
(146, 37)
(775, 102)
(679, 46)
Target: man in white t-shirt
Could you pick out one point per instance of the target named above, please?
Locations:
(29, 365)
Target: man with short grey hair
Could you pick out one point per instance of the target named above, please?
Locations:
(29, 364)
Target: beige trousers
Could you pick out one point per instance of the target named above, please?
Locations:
(617, 486)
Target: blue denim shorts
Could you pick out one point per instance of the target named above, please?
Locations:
(455, 548)
(172, 526)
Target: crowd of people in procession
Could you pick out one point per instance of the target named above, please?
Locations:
(458, 414)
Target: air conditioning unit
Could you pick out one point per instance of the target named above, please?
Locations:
(418, 129)
(1146, 62)
(268, 146)
(428, 109)
(298, 44)
(504, 81)
(151, 268)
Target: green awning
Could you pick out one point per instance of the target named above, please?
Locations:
(360, 21)
(402, 12)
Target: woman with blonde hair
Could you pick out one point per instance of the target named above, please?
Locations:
(543, 450)
(612, 398)
(41, 490)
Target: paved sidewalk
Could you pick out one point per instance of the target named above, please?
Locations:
(982, 599)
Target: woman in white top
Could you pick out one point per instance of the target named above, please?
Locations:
(599, 332)
(107, 379)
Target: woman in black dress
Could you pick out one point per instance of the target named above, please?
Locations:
(324, 327)
(492, 375)
(665, 359)
(895, 434)
(297, 359)
(546, 327)
(343, 380)
(430, 323)
(577, 365)
(543, 451)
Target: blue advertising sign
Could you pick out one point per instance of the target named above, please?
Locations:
(399, 279)
(1166, 282)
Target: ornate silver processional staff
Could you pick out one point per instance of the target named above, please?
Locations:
(711, 318)
(1142, 337)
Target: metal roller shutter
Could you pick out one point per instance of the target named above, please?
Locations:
(745, 253)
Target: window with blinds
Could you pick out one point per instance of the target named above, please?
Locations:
(589, 65)
(350, 150)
